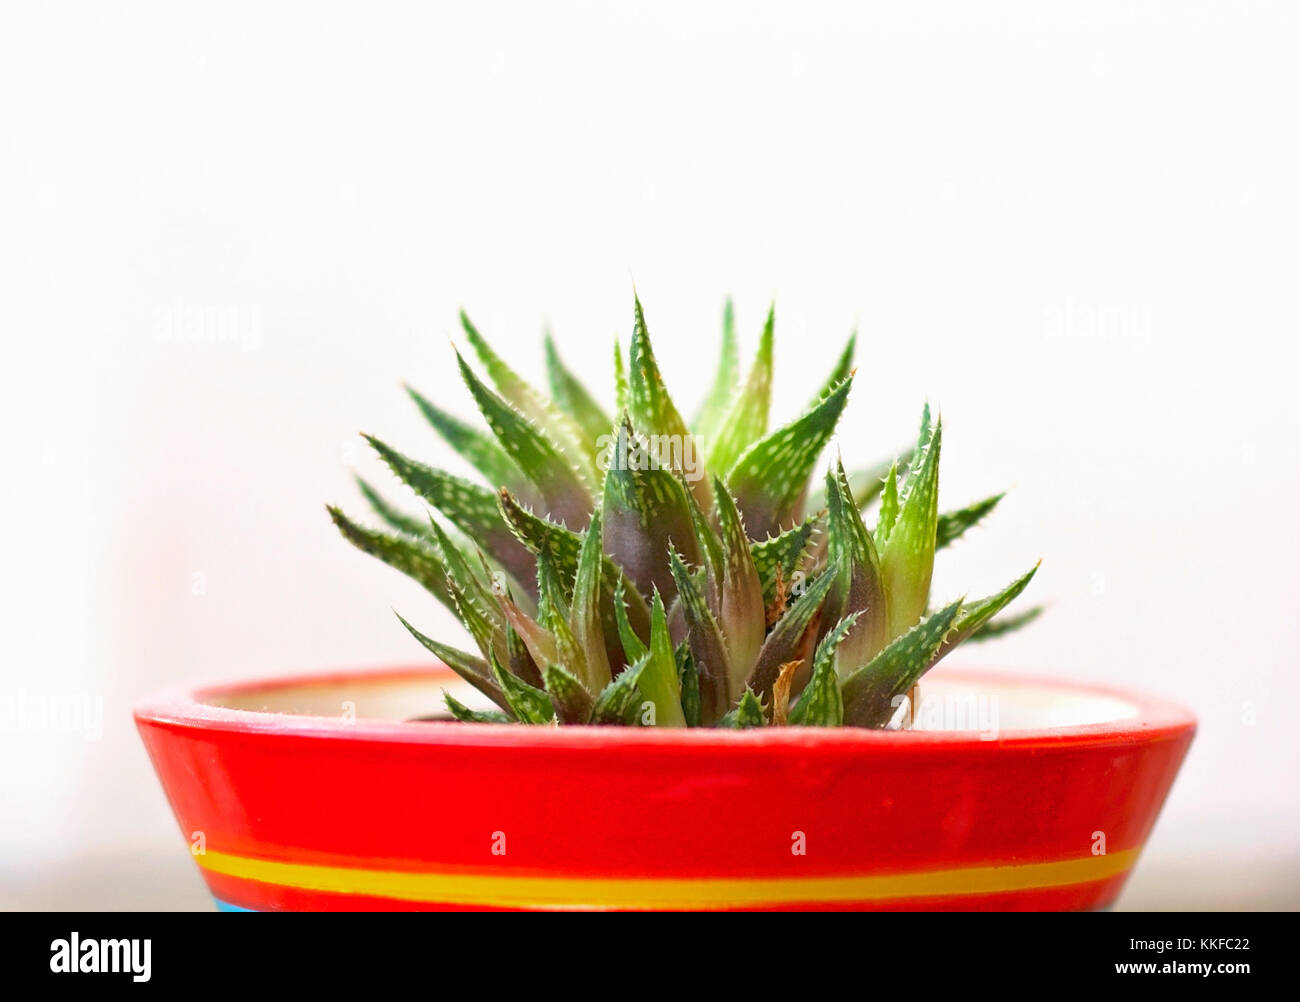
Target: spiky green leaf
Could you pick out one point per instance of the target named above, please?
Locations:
(529, 704)
(618, 701)
(715, 404)
(573, 703)
(847, 534)
(477, 448)
(710, 544)
(770, 478)
(656, 417)
(564, 492)
(465, 715)
(535, 406)
(858, 588)
(888, 514)
(843, 369)
(410, 525)
(469, 507)
(821, 703)
(564, 548)
(415, 559)
(688, 679)
(1003, 625)
(748, 713)
(520, 659)
(480, 620)
(659, 683)
(474, 593)
(790, 636)
(553, 613)
(871, 693)
(740, 608)
(470, 580)
(782, 555)
(644, 512)
(650, 406)
(536, 638)
(585, 617)
(708, 646)
(634, 647)
(620, 378)
(745, 421)
(975, 614)
(866, 484)
(572, 396)
(952, 524)
(471, 668)
(918, 454)
(907, 557)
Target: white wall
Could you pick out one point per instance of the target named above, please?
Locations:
(1073, 227)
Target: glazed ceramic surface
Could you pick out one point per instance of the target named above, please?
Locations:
(313, 793)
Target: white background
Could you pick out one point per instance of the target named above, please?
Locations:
(1073, 227)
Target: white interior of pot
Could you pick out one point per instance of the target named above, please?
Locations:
(948, 702)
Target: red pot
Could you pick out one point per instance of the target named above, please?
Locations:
(291, 802)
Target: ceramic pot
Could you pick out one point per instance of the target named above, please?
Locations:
(315, 793)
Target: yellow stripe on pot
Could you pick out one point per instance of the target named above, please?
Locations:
(531, 891)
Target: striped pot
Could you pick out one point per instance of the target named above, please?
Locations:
(312, 793)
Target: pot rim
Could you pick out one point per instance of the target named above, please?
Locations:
(188, 708)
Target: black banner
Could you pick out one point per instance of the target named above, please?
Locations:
(760, 952)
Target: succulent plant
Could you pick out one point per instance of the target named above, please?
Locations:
(639, 569)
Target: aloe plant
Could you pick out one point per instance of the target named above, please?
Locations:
(631, 567)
